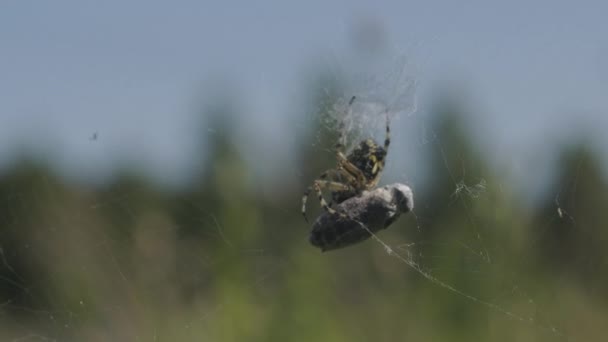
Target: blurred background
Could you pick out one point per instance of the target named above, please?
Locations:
(153, 157)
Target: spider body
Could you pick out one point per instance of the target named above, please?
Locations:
(358, 171)
(368, 157)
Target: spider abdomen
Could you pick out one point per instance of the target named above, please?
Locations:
(369, 158)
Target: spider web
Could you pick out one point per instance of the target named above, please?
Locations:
(359, 112)
(371, 97)
(122, 245)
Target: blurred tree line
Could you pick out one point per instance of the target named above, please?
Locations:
(225, 260)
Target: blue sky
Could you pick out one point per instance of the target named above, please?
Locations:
(138, 73)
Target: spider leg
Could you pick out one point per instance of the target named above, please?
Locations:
(331, 186)
(341, 175)
(351, 169)
(317, 186)
(387, 139)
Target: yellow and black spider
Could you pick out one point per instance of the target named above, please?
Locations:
(358, 171)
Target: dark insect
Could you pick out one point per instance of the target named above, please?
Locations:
(368, 213)
(358, 171)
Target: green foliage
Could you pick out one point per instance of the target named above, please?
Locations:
(573, 242)
(225, 261)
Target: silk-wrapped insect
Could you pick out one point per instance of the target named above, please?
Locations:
(357, 217)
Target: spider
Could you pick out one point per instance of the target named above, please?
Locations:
(358, 171)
